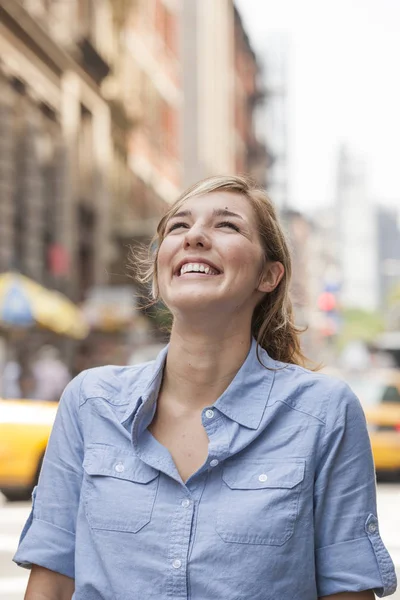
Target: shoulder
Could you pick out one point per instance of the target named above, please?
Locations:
(109, 382)
(314, 393)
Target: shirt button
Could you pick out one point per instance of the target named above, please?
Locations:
(214, 462)
(185, 503)
(209, 414)
(177, 563)
(372, 527)
(119, 467)
(263, 477)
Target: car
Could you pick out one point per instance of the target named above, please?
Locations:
(379, 394)
(25, 427)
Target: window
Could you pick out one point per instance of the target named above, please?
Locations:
(391, 394)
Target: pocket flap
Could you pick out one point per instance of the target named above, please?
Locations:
(264, 474)
(113, 462)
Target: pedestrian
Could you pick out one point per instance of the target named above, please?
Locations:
(224, 469)
(27, 381)
(50, 373)
(11, 377)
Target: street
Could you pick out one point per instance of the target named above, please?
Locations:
(13, 515)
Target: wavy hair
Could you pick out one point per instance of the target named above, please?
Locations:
(273, 323)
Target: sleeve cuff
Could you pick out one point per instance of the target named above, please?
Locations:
(356, 565)
(48, 546)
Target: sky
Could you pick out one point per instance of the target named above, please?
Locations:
(343, 88)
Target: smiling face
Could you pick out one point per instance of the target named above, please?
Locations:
(210, 258)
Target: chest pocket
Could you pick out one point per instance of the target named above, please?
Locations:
(119, 489)
(259, 501)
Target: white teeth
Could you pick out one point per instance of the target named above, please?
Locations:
(196, 268)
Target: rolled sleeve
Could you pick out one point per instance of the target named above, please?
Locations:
(48, 537)
(350, 555)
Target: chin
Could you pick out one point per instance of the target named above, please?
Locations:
(193, 300)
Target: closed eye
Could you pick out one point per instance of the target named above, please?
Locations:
(228, 224)
(177, 225)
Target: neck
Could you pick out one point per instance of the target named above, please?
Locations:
(201, 366)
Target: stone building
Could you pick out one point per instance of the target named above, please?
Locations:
(221, 87)
(58, 140)
(150, 84)
(89, 150)
(108, 108)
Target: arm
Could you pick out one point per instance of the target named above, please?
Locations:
(48, 585)
(351, 596)
(47, 543)
(349, 553)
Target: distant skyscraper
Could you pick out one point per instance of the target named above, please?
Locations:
(389, 252)
(357, 235)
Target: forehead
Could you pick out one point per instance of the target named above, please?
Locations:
(205, 204)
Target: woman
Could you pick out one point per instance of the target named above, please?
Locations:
(223, 470)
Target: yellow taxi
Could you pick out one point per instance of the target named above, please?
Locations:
(25, 427)
(379, 394)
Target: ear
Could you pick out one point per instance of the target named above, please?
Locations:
(271, 276)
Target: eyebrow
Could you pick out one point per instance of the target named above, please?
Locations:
(217, 212)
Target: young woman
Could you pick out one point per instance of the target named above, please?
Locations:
(225, 469)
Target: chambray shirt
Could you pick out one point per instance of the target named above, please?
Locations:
(283, 507)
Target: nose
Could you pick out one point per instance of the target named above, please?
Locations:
(196, 238)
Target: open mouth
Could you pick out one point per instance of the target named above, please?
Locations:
(198, 268)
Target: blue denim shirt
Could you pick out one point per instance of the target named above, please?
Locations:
(283, 507)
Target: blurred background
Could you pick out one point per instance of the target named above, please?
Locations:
(110, 108)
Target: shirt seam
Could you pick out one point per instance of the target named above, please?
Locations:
(84, 399)
(53, 525)
(325, 440)
(302, 411)
(91, 395)
(85, 373)
(339, 543)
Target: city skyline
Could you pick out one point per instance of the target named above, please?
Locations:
(343, 88)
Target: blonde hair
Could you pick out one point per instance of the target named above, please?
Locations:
(273, 322)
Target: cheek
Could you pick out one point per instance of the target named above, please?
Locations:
(165, 256)
(246, 261)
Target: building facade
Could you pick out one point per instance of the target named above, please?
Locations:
(207, 46)
(108, 109)
(221, 89)
(277, 117)
(56, 150)
(251, 155)
(151, 77)
(89, 123)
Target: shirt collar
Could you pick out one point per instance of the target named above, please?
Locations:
(145, 385)
(244, 400)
